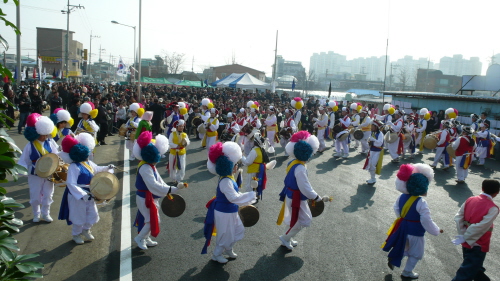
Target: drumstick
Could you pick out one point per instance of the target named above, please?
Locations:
(120, 170)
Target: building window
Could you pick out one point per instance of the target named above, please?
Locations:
(443, 81)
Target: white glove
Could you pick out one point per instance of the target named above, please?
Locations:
(326, 198)
(318, 198)
(315, 119)
(181, 185)
(459, 239)
(111, 166)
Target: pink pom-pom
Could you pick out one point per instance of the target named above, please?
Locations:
(32, 119)
(297, 99)
(141, 105)
(67, 143)
(256, 103)
(215, 152)
(144, 139)
(456, 111)
(57, 110)
(405, 172)
(302, 135)
(91, 104)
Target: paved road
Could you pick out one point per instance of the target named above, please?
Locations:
(342, 244)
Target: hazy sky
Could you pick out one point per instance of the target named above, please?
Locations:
(212, 31)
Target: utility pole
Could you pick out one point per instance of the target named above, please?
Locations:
(275, 66)
(18, 43)
(140, 60)
(192, 65)
(67, 12)
(90, 53)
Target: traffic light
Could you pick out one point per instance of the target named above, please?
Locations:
(85, 53)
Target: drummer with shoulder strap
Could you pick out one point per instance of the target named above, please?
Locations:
(41, 189)
(150, 187)
(365, 126)
(78, 207)
(289, 128)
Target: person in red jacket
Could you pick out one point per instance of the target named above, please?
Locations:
(475, 225)
(441, 153)
(464, 147)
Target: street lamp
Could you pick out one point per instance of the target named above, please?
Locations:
(115, 22)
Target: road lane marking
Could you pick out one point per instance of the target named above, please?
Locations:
(126, 240)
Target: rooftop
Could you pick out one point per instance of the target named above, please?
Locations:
(442, 96)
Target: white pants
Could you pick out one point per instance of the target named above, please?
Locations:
(248, 181)
(305, 216)
(210, 141)
(461, 172)
(417, 141)
(141, 205)
(356, 142)
(342, 145)
(229, 231)
(247, 147)
(440, 155)
(82, 213)
(130, 146)
(321, 138)
(482, 153)
(364, 141)
(372, 163)
(177, 175)
(41, 192)
(270, 137)
(393, 149)
(407, 147)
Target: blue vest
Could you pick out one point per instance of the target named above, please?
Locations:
(291, 183)
(135, 120)
(221, 202)
(65, 132)
(85, 176)
(35, 155)
(141, 185)
(412, 218)
(484, 142)
(175, 117)
(374, 148)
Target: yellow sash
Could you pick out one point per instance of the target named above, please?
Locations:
(209, 134)
(39, 147)
(378, 169)
(402, 215)
(177, 141)
(88, 167)
(254, 167)
(87, 126)
(367, 127)
(281, 215)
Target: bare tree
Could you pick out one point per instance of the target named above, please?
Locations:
(404, 77)
(173, 61)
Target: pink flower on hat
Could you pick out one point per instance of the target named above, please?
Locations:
(32, 119)
(215, 152)
(302, 135)
(144, 139)
(67, 143)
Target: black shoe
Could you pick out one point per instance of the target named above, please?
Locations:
(389, 264)
(103, 143)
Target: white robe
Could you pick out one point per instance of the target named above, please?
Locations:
(41, 189)
(229, 226)
(176, 175)
(305, 216)
(82, 213)
(415, 244)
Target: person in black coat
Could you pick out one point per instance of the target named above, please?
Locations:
(158, 114)
(24, 103)
(73, 111)
(55, 102)
(102, 120)
(36, 103)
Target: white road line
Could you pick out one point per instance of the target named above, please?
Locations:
(126, 240)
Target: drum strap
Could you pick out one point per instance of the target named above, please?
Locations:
(86, 165)
(40, 148)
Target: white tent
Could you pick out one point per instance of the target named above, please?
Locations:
(241, 80)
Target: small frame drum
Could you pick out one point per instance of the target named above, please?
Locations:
(249, 215)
